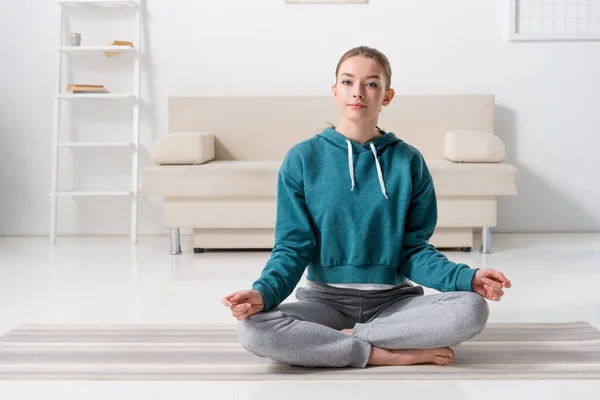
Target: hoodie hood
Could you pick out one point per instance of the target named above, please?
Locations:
(341, 141)
(378, 144)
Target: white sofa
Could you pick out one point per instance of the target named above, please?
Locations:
(217, 169)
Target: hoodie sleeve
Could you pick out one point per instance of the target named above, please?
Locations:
(420, 261)
(294, 243)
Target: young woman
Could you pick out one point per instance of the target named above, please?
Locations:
(356, 206)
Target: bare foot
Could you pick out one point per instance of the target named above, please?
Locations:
(439, 356)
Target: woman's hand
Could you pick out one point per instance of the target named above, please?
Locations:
(244, 303)
(489, 283)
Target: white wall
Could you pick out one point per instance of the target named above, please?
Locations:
(548, 94)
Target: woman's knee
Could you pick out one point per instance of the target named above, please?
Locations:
(253, 332)
(247, 334)
(477, 311)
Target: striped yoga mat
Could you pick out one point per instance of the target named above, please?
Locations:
(211, 352)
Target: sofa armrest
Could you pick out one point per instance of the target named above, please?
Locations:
(184, 148)
(474, 147)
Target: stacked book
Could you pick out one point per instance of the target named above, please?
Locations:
(110, 54)
(75, 88)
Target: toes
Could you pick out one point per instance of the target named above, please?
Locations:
(445, 352)
(441, 360)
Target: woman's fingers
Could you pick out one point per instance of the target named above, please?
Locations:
(491, 282)
(498, 282)
(493, 291)
(234, 298)
(237, 303)
(244, 315)
(492, 296)
(228, 300)
(240, 307)
(499, 276)
(225, 301)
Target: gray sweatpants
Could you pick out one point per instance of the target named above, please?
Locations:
(308, 332)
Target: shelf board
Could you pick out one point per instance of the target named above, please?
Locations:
(525, 37)
(102, 96)
(95, 49)
(97, 3)
(93, 193)
(95, 144)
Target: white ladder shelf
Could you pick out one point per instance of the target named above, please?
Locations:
(61, 96)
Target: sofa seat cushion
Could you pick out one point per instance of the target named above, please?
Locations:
(473, 179)
(259, 178)
(213, 179)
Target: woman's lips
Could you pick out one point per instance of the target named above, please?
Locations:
(356, 106)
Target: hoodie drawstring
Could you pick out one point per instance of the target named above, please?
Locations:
(350, 163)
(379, 174)
(351, 167)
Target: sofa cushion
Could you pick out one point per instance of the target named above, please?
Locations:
(184, 148)
(473, 146)
(216, 178)
(473, 179)
(259, 178)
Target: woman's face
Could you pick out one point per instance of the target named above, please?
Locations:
(360, 89)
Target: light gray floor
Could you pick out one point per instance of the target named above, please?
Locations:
(106, 280)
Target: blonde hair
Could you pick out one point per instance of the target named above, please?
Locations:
(368, 52)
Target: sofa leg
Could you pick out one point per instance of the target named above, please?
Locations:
(486, 240)
(175, 243)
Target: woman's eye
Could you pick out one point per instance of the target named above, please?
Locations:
(370, 84)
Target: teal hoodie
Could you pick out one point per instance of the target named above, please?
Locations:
(354, 213)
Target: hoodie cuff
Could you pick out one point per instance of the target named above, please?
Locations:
(267, 295)
(465, 278)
